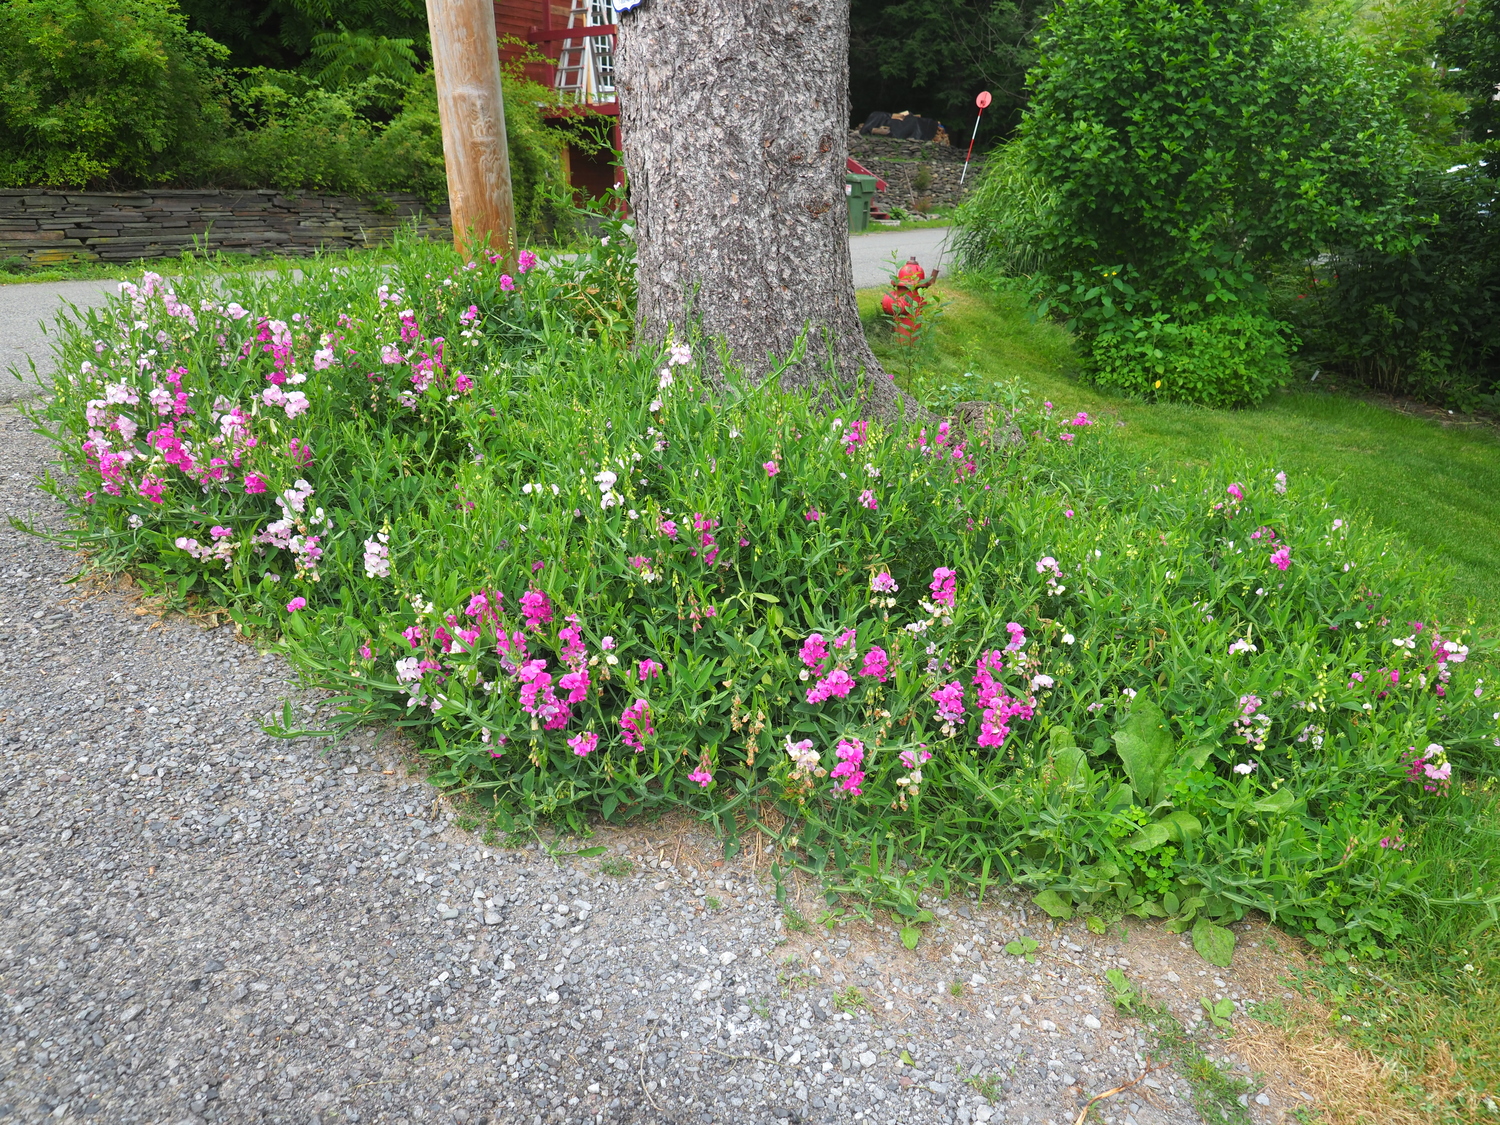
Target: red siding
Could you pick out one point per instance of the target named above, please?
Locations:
(514, 20)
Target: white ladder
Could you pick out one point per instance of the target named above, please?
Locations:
(586, 65)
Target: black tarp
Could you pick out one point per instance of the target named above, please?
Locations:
(909, 127)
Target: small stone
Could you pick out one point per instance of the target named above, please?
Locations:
(1262, 1099)
(1092, 1023)
(448, 912)
(867, 1059)
(1047, 1025)
(131, 1012)
(726, 957)
(492, 917)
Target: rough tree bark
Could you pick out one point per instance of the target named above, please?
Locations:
(734, 123)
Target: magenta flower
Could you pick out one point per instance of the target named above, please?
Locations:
(883, 583)
(254, 485)
(1068, 512)
(584, 744)
(536, 607)
(1236, 492)
(851, 754)
(507, 282)
(838, 682)
(950, 702)
(814, 650)
(771, 469)
(525, 261)
(876, 664)
(867, 498)
(647, 670)
(813, 515)
(702, 777)
(668, 528)
(295, 604)
(1282, 558)
(635, 723)
(944, 586)
(365, 653)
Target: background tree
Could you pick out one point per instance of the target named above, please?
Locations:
(99, 91)
(933, 56)
(734, 124)
(1470, 47)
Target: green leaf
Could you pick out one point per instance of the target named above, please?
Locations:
(1095, 924)
(1280, 801)
(1176, 827)
(1022, 947)
(1054, 904)
(910, 936)
(1214, 944)
(1219, 1012)
(1124, 992)
(1144, 744)
(906, 1058)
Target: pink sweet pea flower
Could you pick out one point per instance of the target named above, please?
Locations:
(701, 776)
(295, 604)
(770, 468)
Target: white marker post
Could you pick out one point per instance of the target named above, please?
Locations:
(981, 101)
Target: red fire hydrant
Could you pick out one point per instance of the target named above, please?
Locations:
(903, 304)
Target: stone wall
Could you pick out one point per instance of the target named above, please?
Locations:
(900, 163)
(50, 226)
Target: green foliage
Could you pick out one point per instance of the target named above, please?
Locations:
(1023, 947)
(1000, 226)
(1189, 148)
(296, 134)
(933, 56)
(1396, 39)
(1226, 360)
(568, 468)
(99, 92)
(1469, 46)
(1200, 142)
(1425, 322)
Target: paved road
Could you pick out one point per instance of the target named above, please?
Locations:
(871, 254)
(25, 308)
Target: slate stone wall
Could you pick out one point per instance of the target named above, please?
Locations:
(50, 226)
(900, 163)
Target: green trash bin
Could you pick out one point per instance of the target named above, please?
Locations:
(860, 193)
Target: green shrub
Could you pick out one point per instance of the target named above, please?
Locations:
(590, 586)
(1425, 322)
(294, 134)
(1190, 148)
(1223, 361)
(99, 93)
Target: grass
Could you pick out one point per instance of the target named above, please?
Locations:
(1435, 1013)
(14, 272)
(1438, 489)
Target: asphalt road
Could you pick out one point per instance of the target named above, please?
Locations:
(23, 311)
(872, 254)
(26, 309)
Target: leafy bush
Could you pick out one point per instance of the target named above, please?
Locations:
(1192, 147)
(99, 92)
(589, 586)
(294, 134)
(1222, 361)
(1425, 322)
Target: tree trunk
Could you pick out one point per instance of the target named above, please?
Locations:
(734, 120)
(471, 109)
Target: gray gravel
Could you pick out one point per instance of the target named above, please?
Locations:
(201, 924)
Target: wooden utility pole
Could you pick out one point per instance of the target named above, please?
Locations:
(466, 63)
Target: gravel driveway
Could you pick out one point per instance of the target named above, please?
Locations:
(201, 924)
